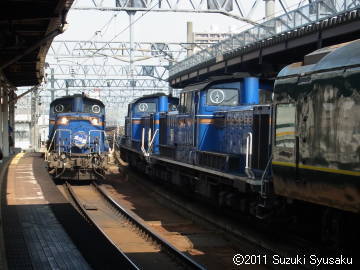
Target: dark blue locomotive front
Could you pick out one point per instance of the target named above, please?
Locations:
(77, 145)
(142, 125)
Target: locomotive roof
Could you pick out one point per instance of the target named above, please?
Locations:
(329, 58)
(148, 96)
(78, 95)
(215, 79)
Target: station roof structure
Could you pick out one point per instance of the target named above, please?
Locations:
(27, 28)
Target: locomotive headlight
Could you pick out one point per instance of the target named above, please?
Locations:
(95, 122)
(63, 121)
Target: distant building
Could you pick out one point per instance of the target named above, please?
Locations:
(207, 39)
(203, 37)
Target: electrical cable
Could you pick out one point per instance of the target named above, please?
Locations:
(122, 31)
(276, 12)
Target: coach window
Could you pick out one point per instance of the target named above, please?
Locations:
(285, 125)
(222, 97)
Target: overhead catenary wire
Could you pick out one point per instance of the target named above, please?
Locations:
(259, 21)
(122, 31)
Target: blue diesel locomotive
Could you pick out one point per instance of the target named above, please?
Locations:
(216, 144)
(300, 152)
(142, 124)
(77, 146)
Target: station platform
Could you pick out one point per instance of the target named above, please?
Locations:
(33, 237)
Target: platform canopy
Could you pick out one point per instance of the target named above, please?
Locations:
(27, 28)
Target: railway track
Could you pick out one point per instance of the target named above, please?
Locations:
(143, 248)
(251, 240)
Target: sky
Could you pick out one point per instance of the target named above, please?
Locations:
(152, 26)
(149, 27)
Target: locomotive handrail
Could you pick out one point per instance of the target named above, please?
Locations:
(152, 141)
(147, 152)
(143, 141)
(69, 130)
(52, 140)
(262, 192)
(249, 144)
(101, 132)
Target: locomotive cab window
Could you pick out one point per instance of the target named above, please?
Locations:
(172, 107)
(222, 97)
(285, 125)
(186, 102)
(145, 107)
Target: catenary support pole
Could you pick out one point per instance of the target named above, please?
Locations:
(269, 9)
(189, 38)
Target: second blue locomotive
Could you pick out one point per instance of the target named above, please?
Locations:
(216, 143)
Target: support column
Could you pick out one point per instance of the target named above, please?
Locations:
(52, 83)
(131, 50)
(33, 125)
(269, 9)
(5, 124)
(189, 38)
(12, 123)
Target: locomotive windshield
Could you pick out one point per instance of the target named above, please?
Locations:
(222, 97)
(148, 107)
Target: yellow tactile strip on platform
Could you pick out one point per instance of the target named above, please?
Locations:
(22, 186)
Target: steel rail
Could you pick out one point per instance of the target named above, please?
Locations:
(166, 246)
(83, 212)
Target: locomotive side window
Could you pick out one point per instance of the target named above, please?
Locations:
(285, 125)
(172, 107)
(185, 102)
(222, 97)
(148, 107)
